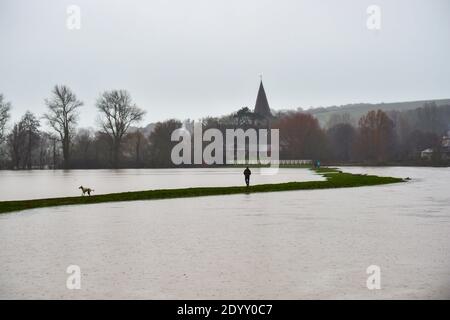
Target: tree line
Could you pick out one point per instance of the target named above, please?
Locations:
(26, 146)
(377, 137)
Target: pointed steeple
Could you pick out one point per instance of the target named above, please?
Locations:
(262, 105)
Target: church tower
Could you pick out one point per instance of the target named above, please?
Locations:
(262, 115)
(262, 108)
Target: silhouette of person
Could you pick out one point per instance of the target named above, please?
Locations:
(247, 174)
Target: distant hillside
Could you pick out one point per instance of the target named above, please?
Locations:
(358, 109)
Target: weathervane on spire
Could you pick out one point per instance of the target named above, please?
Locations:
(260, 76)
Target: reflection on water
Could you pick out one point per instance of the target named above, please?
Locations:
(18, 185)
(297, 244)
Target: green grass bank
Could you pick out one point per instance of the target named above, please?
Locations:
(334, 179)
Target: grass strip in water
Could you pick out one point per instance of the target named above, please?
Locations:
(334, 179)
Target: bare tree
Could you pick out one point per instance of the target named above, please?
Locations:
(160, 143)
(301, 137)
(376, 139)
(134, 146)
(31, 125)
(83, 148)
(45, 151)
(117, 113)
(23, 141)
(339, 118)
(63, 116)
(16, 143)
(4, 116)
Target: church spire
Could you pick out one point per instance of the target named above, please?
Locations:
(262, 105)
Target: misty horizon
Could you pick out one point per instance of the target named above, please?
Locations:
(203, 59)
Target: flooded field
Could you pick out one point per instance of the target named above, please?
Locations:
(19, 185)
(284, 245)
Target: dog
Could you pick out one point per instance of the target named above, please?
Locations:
(86, 190)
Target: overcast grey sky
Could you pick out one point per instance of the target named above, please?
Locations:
(194, 58)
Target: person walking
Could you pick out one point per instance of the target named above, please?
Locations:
(247, 174)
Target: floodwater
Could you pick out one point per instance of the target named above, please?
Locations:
(292, 245)
(33, 184)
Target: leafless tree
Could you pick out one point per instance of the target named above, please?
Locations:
(31, 126)
(22, 141)
(134, 146)
(339, 118)
(117, 113)
(16, 139)
(161, 143)
(4, 116)
(63, 116)
(376, 138)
